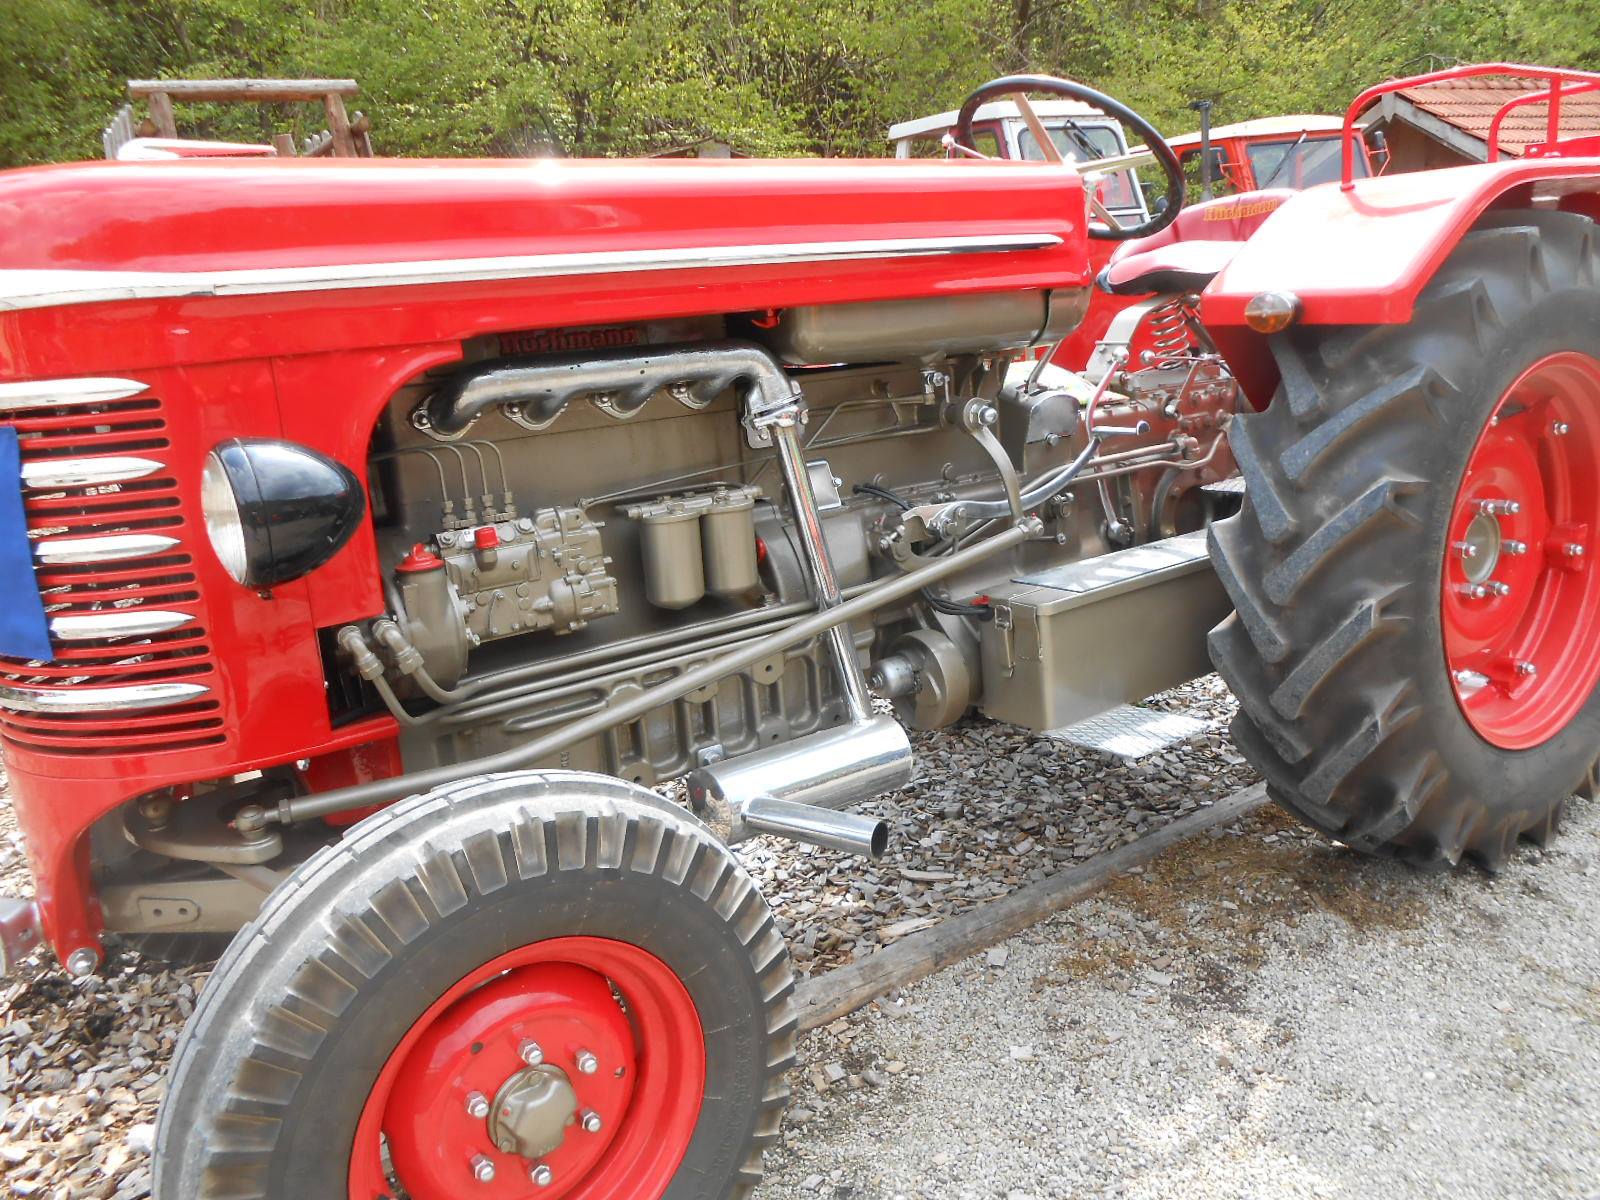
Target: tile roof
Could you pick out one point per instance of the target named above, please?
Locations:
(1470, 105)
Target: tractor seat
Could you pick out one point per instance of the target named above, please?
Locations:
(1188, 254)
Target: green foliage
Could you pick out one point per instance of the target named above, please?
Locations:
(608, 77)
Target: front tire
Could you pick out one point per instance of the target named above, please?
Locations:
(1416, 660)
(548, 983)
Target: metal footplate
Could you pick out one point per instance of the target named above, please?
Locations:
(1128, 732)
(1075, 641)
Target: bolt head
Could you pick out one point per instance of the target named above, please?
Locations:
(1526, 668)
(482, 1169)
(531, 1053)
(1512, 546)
(1573, 550)
(477, 1106)
(591, 1122)
(542, 1176)
(1498, 588)
(588, 1064)
(1560, 428)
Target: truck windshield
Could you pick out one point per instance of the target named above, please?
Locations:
(1076, 143)
(1298, 163)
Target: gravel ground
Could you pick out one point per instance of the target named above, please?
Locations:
(1164, 980)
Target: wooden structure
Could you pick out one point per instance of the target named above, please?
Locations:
(347, 135)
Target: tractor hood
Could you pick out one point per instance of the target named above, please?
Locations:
(104, 233)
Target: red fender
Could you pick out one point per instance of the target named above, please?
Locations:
(1362, 256)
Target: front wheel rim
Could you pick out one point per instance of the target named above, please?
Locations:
(607, 1024)
(1521, 589)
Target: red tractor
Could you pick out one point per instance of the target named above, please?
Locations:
(383, 531)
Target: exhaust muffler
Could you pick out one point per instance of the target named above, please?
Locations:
(796, 790)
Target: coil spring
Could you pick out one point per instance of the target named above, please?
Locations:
(1169, 329)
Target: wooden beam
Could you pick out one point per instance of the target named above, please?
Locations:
(831, 995)
(256, 90)
(161, 114)
(283, 143)
(344, 145)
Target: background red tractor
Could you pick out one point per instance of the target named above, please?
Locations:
(383, 532)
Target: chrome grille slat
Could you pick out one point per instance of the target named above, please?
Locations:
(52, 473)
(131, 669)
(116, 623)
(116, 547)
(56, 393)
(99, 699)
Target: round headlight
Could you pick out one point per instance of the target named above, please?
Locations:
(275, 510)
(223, 521)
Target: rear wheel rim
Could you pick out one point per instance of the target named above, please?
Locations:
(1521, 588)
(617, 1033)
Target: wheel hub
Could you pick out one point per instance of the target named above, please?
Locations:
(560, 1018)
(595, 1058)
(1521, 594)
(531, 1114)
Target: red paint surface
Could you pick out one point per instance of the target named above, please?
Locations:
(317, 367)
(1550, 618)
(648, 1088)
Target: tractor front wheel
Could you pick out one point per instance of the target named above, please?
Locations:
(531, 985)
(1416, 642)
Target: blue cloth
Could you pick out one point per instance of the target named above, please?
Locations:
(24, 631)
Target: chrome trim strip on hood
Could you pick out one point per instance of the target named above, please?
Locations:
(48, 289)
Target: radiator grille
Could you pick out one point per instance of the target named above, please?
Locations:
(132, 667)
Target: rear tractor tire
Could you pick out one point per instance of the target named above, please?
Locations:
(1416, 642)
(540, 984)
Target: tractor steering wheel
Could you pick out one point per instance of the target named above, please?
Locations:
(1016, 85)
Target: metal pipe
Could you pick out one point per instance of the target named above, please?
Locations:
(538, 392)
(866, 836)
(380, 791)
(798, 478)
(795, 789)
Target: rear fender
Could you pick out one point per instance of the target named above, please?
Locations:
(1362, 255)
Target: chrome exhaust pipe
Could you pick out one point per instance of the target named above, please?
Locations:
(866, 836)
(795, 790)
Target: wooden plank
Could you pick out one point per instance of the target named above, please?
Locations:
(845, 989)
(283, 143)
(161, 114)
(258, 90)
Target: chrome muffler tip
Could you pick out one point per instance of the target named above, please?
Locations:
(796, 790)
(866, 836)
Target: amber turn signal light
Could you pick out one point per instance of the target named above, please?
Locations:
(1272, 312)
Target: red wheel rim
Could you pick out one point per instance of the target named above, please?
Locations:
(611, 1020)
(1521, 595)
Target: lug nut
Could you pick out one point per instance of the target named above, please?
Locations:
(531, 1053)
(1499, 508)
(1498, 588)
(1560, 428)
(482, 1168)
(1524, 667)
(591, 1122)
(477, 1105)
(1470, 679)
(1466, 550)
(542, 1176)
(1474, 591)
(588, 1064)
(1512, 546)
(1572, 550)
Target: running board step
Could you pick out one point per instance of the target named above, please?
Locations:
(1129, 733)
